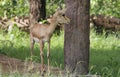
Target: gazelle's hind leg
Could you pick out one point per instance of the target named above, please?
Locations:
(42, 55)
(32, 42)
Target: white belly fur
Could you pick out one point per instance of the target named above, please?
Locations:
(44, 39)
(36, 39)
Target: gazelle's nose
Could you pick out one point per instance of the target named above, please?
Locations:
(68, 20)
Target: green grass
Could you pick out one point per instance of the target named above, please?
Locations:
(104, 55)
(104, 52)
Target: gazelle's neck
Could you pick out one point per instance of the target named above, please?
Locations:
(53, 25)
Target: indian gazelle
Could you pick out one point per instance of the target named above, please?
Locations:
(42, 33)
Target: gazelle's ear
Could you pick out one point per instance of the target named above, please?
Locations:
(64, 10)
(49, 20)
(58, 9)
(60, 6)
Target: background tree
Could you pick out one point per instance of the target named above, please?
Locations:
(37, 10)
(76, 49)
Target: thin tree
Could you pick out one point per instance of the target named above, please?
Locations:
(76, 45)
(37, 10)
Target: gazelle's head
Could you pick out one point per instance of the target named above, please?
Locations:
(61, 17)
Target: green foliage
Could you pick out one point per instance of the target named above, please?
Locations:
(21, 7)
(52, 6)
(14, 7)
(106, 7)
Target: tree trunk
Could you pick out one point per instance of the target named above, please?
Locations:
(76, 49)
(43, 9)
(37, 11)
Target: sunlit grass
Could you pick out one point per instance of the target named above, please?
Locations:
(104, 55)
(20, 47)
(104, 52)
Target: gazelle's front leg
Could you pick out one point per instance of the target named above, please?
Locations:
(48, 56)
(42, 54)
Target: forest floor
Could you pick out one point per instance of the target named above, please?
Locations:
(13, 65)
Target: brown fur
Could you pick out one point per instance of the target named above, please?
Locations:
(42, 33)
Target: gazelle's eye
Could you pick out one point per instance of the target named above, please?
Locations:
(63, 15)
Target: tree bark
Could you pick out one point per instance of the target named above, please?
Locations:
(43, 9)
(76, 44)
(37, 11)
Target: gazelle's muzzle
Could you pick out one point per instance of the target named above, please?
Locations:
(68, 20)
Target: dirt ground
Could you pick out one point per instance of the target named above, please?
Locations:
(12, 65)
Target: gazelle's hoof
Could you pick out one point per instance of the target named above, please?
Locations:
(43, 72)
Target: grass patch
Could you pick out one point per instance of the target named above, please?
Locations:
(104, 55)
(104, 52)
